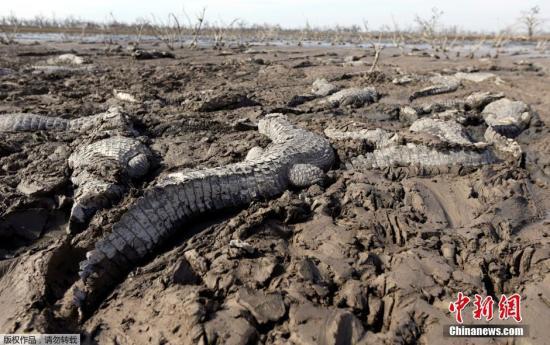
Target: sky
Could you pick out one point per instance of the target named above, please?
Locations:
(475, 15)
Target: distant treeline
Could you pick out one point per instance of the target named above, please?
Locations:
(175, 30)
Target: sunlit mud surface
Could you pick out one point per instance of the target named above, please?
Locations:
(408, 216)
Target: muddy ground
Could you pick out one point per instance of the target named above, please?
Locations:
(370, 257)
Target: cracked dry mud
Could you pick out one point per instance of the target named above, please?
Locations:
(427, 197)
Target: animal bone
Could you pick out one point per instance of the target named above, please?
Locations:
(478, 77)
(124, 96)
(66, 59)
(61, 70)
(403, 80)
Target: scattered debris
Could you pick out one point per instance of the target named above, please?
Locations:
(66, 59)
(124, 96)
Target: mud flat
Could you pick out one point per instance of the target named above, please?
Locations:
(447, 191)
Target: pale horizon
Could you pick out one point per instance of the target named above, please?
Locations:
(468, 15)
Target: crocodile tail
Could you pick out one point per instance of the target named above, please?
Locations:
(162, 210)
(151, 219)
(20, 122)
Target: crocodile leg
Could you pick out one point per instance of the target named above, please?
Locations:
(254, 153)
(305, 175)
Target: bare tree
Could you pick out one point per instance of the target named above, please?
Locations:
(139, 26)
(377, 50)
(429, 28)
(11, 26)
(531, 20)
(170, 33)
(197, 28)
(397, 36)
(476, 47)
(305, 33)
(220, 31)
(376, 45)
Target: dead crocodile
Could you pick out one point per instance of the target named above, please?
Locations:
(474, 102)
(296, 157)
(353, 97)
(449, 130)
(503, 144)
(434, 90)
(450, 83)
(27, 122)
(378, 138)
(502, 117)
(322, 88)
(439, 85)
(454, 149)
(128, 157)
(506, 119)
(421, 155)
(461, 110)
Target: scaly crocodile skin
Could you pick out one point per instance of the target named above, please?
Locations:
(449, 131)
(376, 137)
(126, 155)
(295, 157)
(19, 122)
(411, 154)
(435, 90)
(353, 97)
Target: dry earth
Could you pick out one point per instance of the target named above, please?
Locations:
(373, 256)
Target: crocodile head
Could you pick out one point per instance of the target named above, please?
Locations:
(111, 121)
